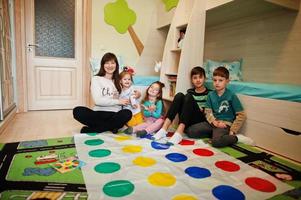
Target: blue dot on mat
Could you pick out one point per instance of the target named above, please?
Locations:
(148, 136)
(225, 192)
(197, 172)
(159, 146)
(176, 157)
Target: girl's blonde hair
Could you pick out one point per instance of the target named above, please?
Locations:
(127, 70)
(159, 98)
(123, 73)
(161, 85)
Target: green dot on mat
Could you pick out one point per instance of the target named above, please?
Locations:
(92, 134)
(107, 167)
(98, 153)
(118, 188)
(94, 142)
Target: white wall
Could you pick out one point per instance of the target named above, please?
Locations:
(106, 39)
(269, 43)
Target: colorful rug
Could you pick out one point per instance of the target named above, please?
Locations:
(52, 169)
(42, 169)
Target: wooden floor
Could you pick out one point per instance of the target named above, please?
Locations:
(35, 125)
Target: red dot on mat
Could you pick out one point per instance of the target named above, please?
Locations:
(227, 166)
(187, 142)
(260, 184)
(203, 152)
(169, 134)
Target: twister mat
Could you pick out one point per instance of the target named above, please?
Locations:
(28, 169)
(129, 168)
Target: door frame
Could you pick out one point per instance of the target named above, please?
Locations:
(21, 70)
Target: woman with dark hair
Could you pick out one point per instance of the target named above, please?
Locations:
(107, 114)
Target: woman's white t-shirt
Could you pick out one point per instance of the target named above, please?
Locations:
(105, 94)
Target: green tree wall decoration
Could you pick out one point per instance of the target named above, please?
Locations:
(169, 4)
(122, 18)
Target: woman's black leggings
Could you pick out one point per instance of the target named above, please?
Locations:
(187, 108)
(101, 121)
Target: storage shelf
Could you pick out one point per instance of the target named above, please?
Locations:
(164, 27)
(177, 50)
(182, 26)
(171, 74)
(189, 17)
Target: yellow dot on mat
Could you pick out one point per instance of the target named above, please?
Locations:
(122, 138)
(184, 197)
(144, 161)
(132, 149)
(161, 179)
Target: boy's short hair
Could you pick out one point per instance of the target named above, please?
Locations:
(198, 70)
(222, 72)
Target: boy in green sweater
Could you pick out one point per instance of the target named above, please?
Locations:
(224, 113)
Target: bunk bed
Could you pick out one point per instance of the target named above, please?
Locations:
(264, 35)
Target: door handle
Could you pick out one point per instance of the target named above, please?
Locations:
(33, 45)
(30, 47)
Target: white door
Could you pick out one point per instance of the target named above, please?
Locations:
(54, 53)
